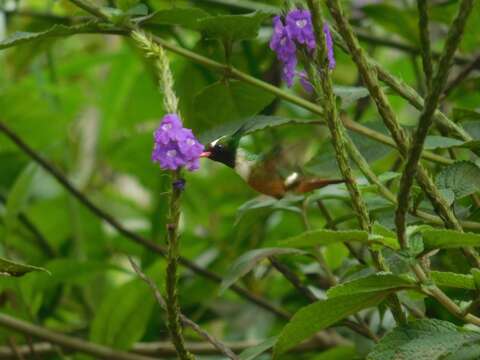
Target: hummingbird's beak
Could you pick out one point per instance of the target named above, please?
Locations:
(205, 154)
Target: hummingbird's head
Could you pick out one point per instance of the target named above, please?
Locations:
(223, 150)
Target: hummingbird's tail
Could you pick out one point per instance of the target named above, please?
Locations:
(308, 185)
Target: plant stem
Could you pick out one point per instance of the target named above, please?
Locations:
(369, 76)
(171, 105)
(425, 42)
(173, 308)
(320, 74)
(322, 83)
(221, 347)
(148, 244)
(98, 351)
(90, 8)
(461, 76)
(426, 119)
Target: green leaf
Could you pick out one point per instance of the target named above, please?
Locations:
(256, 351)
(453, 280)
(338, 353)
(476, 277)
(20, 38)
(228, 101)
(449, 239)
(371, 283)
(324, 237)
(394, 19)
(233, 27)
(320, 315)
(466, 352)
(73, 272)
(379, 229)
(263, 205)
(12, 268)
(122, 317)
(186, 17)
(350, 94)
(460, 177)
(433, 142)
(461, 114)
(126, 4)
(137, 10)
(249, 260)
(18, 196)
(251, 125)
(448, 195)
(473, 145)
(335, 255)
(423, 340)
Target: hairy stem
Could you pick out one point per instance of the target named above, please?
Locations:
(368, 73)
(425, 42)
(220, 346)
(98, 351)
(170, 100)
(173, 307)
(322, 82)
(426, 118)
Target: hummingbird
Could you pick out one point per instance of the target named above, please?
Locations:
(272, 173)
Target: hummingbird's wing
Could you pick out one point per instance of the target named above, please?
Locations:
(280, 170)
(274, 172)
(285, 160)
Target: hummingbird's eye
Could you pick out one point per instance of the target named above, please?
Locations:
(220, 146)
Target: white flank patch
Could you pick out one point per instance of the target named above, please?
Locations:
(291, 179)
(243, 167)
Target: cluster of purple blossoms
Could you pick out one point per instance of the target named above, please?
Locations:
(176, 146)
(297, 29)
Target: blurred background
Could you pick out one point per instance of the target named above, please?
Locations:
(89, 104)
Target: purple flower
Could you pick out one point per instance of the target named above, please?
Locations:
(175, 146)
(307, 85)
(288, 71)
(282, 42)
(329, 43)
(299, 25)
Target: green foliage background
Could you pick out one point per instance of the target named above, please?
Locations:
(89, 104)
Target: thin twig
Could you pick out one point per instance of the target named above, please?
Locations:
(90, 8)
(239, 75)
(369, 76)
(159, 349)
(323, 86)
(461, 76)
(331, 225)
(98, 351)
(148, 244)
(185, 320)
(425, 42)
(170, 101)
(426, 119)
(37, 234)
(293, 279)
(14, 347)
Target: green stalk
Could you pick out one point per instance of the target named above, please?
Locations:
(171, 105)
(369, 77)
(322, 83)
(426, 119)
(425, 42)
(172, 305)
(405, 91)
(323, 86)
